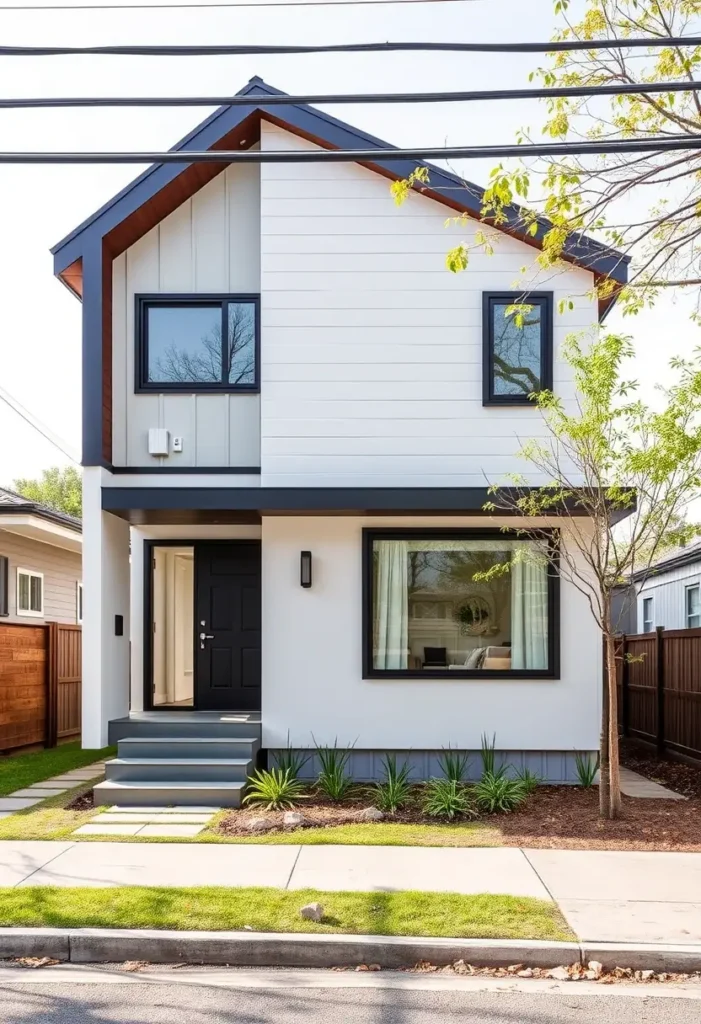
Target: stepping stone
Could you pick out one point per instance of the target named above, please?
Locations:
(5, 814)
(73, 779)
(56, 787)
(107, 830)
(42, 793)
(170, 830)
(8, 803)
(193, 810)
(155, 819)
(636, 785)
(139, 810)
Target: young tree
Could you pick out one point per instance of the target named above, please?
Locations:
(60, 489)
(620, 475)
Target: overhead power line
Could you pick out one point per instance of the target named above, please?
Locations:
(241, 50)
(256, 156)
(200, 6)
(41, 428)
(340, 98)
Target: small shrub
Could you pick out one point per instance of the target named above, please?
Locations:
(447, 798)
(587, 767)
(488, 757)
(454, 765)
(393, 792)
(291, 760)
(529, 780)
(497, 794)
(276, 789)
(334, 780)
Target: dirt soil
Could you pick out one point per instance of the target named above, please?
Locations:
(84, 802)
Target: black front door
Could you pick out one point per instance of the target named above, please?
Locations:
(227, 626)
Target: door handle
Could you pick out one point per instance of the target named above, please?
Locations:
(206, 636)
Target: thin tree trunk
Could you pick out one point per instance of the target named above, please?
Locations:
(614, 768)
(604, 802)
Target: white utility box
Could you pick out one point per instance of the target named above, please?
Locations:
(158, 441)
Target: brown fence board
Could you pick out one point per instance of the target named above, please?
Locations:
(660, 688)
(40, 683)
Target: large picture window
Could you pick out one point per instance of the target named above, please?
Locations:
(426, 615)
(518, 349)
(197, 343)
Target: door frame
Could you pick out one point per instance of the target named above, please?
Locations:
(149, 546)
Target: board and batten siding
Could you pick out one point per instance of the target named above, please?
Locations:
(62, 572)
(209, 244)
(371, 348)
(668, 593)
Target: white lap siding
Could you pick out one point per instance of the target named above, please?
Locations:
(61, 569)
(372, 350)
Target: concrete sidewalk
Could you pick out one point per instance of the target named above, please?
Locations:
(605, 896)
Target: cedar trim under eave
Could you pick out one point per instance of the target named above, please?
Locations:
(181, 188)
(604, 305)
(72, 277)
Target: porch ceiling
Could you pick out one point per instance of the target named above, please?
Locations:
(241, 505)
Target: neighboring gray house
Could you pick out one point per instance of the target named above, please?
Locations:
(41, 576)
(670, 595)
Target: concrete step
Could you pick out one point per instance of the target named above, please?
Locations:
(178, 769)
(208, 747)
(169, 794)
(179, 725)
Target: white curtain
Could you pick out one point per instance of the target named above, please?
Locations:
(529, 613)
(391, 605)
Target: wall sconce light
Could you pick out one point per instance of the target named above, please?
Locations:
(305, 569)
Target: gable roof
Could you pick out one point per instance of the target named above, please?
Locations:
(689, 554)
(163, 187)
(16, 504)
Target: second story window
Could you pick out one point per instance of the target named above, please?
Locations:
(518, 346)
(197, 343)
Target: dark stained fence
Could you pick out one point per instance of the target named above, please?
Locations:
(40, 683)
(659, 677)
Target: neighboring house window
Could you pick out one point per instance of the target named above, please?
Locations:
(648, 615)
(425, 615)
(197, 343)
(693, 607)
(79, 603)
(30, 593)
(4, 585)
(518, 346)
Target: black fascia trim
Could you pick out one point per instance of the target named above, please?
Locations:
(584, 251)
(158, 470)
(545, 301)
(454, 675)
(145, 301)
(678, 561)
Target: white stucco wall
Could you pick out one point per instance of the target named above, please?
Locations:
(312, 676)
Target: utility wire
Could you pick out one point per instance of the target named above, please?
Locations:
(654, 145)
(272, 3)
(41, 428)
(240, 50)
(386, 97)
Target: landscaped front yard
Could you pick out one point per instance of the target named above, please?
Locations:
(17, 771)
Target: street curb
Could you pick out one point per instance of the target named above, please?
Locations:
(245, 949)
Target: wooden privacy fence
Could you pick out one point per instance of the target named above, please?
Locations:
(40, 683)
(659, 687)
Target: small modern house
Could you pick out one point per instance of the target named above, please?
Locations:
(292, 412)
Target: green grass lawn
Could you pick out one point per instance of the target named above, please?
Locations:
(275, 910)
(21, 770)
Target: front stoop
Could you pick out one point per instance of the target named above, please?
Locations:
(177, 758)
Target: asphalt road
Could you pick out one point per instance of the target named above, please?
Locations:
(220, 998)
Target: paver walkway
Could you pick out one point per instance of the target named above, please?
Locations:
(161, 822)
(38, 791)
(633, 784)
(605, 896)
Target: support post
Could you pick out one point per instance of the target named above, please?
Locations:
(659, 659)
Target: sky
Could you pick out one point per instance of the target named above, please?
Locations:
(40, 319)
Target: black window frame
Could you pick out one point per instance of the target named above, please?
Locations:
(370, 535)
(4, 586)
(545, 301)
(144, 302)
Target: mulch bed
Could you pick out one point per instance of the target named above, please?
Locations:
(681, 777)
(554, 817)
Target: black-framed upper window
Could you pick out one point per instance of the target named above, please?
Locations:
(197, 342)
(426, 616)
(4, 585)
(518, 346)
